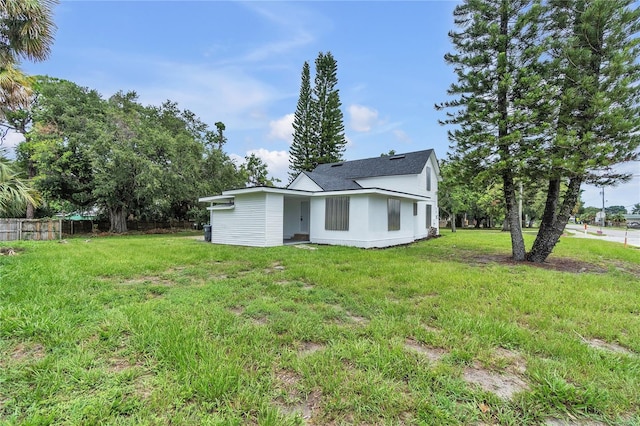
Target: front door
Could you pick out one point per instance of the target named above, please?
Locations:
(304, 217)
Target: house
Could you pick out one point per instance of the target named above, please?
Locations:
(374, 202)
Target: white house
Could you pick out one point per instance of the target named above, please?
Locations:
(374, 202)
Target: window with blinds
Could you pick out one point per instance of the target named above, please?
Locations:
(336, 214)
(428, 221)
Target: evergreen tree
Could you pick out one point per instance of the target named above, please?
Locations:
(301, 153)
(326, 112)
(318, 135)
(593, 68)
(547, 92)
(494, 58)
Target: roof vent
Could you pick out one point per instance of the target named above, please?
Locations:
(396, 157)
(337, 165)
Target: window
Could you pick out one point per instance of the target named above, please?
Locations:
(336, 214)
(428, 170)
(415, 209)
(428, 216)
(393, 214)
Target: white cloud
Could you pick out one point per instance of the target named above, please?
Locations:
(362, 118)
(277, 163)
(282, 128)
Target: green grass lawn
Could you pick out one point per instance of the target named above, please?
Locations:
(170, 330)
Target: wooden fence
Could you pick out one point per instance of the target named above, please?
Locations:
(30, 229)
(53, 229)
(75, 227)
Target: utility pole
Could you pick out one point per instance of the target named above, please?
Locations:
(604, 214)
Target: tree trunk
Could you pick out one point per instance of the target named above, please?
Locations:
(31, 170)
(518, 250)
(118, 218)
(452, 217)
(553, 220)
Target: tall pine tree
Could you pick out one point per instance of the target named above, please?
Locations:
(547, 91)
(327, 115)
(593, 68)
(302, 152)
(493, 58)
(318, 135)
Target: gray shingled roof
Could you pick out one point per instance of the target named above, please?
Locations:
(341, 176)
(332, 183)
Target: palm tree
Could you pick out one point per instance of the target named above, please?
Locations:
(26, 32)
(15, 192)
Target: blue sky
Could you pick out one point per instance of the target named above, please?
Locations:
(240, 63)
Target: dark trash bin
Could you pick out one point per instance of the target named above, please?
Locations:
(207, 233)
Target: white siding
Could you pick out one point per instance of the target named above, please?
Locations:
(411, 184)
(246, 224)
(274, 219)
(303, 183)
(367, 223)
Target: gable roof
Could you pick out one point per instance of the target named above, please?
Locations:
(342, 175)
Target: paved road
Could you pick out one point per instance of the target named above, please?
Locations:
(615, 235)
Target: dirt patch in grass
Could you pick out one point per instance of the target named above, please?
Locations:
(259, 320)
(504, 385)
(431, 329)
(143, 386)
(293, 401)
(10, 251)
(611, 347)
(516, 363)
(28, 352)
(561, 264)
(276, 267)
(149, 279)
(357, 319)
(308, 348)
(238, 310)
(118, 365)
(433, 354)
(573, 422)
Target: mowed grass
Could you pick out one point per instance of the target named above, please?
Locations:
(170, 330)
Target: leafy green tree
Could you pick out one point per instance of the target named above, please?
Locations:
(220, 137)
(454, 194)
(612, 210)
(635, 209)
(318, 136)
(302, 151)
(256, 172)
(495, 50)
(592, 66)
(67, 119)
(127, 159)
